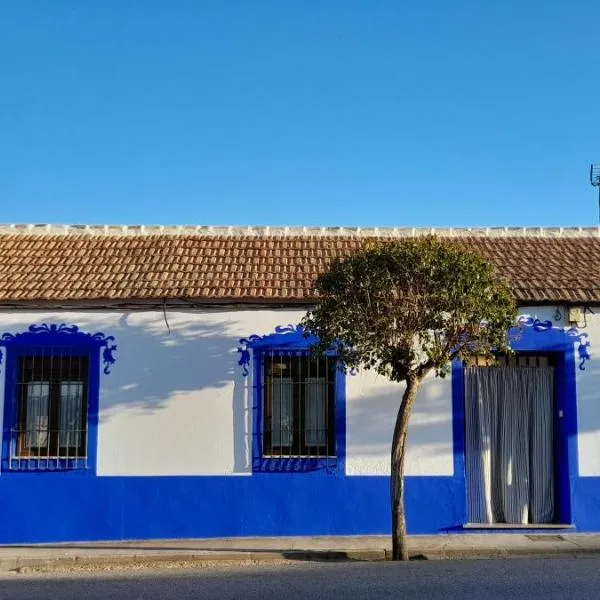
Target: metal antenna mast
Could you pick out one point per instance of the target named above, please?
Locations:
(595, 181)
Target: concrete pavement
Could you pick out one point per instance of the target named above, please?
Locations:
(456, 546)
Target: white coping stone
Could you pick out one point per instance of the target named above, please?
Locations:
(286, 231)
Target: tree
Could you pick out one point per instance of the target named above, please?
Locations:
(405, 308)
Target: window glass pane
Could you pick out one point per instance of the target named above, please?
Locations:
(37, 413)
(70, 414)
(282, 391)
(316, 411)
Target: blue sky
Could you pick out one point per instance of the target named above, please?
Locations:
(299, 112)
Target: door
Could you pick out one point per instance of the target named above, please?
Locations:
(509, 441)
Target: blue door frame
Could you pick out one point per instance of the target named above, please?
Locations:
(539, 337)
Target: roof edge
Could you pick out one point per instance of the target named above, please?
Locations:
(283, 231)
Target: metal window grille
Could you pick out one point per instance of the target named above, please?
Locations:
(299, 405)
(51, 416)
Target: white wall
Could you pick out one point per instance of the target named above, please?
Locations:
(174, 404)
(372, 405)
(177, 404)
(588, 403)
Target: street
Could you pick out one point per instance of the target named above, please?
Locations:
(448, 580)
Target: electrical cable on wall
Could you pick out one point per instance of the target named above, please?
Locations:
(165, 315)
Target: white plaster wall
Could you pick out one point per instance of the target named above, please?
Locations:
(174, 404)
(177, 404)
(588, 402)
(372, 405)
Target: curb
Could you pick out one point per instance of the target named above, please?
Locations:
(25, 564)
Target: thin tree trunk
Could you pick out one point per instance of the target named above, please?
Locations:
(399, 542)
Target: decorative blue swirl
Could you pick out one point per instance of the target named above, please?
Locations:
(537, 324)
(244, 361)
(53, 331)
(580, 337)
(108, 353)
(584, 344)
(290, 339)
(283, 335)
(290, 332)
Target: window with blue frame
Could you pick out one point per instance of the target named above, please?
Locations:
(51, 397)
(299, 402)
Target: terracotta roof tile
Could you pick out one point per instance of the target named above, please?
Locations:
(115, 264)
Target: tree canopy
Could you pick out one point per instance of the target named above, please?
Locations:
(410, 306)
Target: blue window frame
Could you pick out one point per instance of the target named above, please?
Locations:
(51, 395)
(299, 408)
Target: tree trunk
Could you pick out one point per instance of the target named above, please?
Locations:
(399, 543)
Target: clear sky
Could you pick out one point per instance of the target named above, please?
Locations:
(314, 112)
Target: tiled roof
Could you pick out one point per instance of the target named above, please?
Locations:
(41, 263)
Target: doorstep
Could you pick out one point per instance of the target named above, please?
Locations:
(518, 526)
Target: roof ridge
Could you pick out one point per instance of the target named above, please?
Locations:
(284, 231)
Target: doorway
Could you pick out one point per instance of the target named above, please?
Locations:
(509, 440)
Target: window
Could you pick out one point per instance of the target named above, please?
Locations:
(298, 405)
(51, 396)
(51, 406)
(299, 402)
(49, 425)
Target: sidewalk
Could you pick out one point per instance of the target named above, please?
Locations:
(14, 558)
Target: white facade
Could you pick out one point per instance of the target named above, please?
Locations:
(176, 402)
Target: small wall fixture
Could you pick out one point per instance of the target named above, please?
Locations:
(576, 314)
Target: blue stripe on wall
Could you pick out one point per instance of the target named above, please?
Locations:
(53, 508)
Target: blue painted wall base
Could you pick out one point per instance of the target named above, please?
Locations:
(60, 508)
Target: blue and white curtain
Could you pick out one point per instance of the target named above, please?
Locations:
(509, 450)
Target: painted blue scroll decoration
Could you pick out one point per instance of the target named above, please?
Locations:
(58, 334)
(286, 335)
(292, 337)
(577, 336)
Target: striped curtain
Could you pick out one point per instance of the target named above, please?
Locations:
(509, 450)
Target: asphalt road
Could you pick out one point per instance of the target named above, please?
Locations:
(448, 580)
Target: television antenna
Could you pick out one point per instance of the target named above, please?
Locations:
(595, 181)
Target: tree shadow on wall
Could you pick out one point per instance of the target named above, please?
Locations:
(197, 356)
(371, 419)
